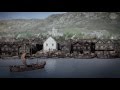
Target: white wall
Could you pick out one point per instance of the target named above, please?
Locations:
(50, 41)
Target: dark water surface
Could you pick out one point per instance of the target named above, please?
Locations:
(65, 68)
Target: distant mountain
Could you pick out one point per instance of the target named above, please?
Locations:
(73, 22)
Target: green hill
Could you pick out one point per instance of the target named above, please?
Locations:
(72, 22)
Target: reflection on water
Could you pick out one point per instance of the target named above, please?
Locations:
(51, 65)
(65, 68)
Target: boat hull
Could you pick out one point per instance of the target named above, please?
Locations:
(22, 68)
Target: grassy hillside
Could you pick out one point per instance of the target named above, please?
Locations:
(71, 22)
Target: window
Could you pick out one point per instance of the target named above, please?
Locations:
(111, 47)
(74, 48)
(46, 44)
(97, 47)
(52, 44)
(102, 47)
(79, 48)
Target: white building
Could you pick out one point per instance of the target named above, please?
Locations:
(55, 32)
(50, 44)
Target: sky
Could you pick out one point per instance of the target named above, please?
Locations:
(26, 15)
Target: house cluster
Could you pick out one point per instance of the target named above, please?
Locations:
(84, 47)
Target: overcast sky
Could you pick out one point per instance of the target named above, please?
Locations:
(26, 15)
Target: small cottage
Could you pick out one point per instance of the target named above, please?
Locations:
(100, 45)
(87, 47)
(50, 44)
(109, 45)
(14, 49)
(82, 46)
(5, 50)
(77, 47)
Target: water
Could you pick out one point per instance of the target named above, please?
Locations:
(65, 68)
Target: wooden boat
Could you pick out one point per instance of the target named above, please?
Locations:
(22, 68)
(25, 67)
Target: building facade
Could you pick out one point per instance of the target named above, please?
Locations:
(50, 45)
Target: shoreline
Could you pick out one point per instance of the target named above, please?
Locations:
(11, 58)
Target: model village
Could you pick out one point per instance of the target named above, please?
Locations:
(49, 47)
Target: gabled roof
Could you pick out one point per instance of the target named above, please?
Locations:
(80, 43)
(108, 40)
(50, 38)
(101, 41)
